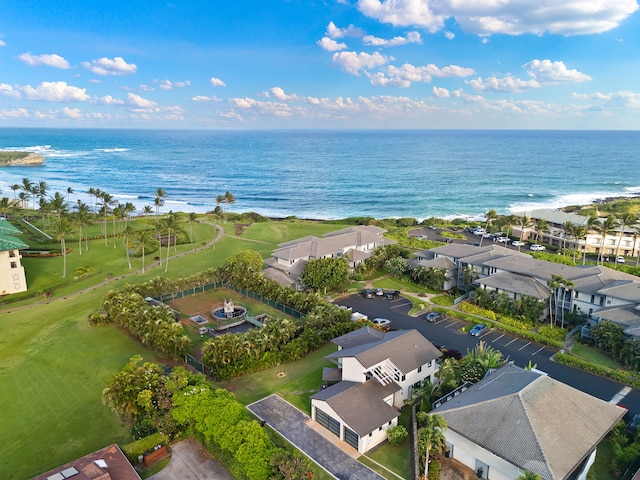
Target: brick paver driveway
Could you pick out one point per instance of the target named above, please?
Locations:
(291, 424)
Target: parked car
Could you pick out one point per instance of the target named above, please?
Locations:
(537, 248)
(518, 243)
(379, 292)
(391, 294)
(422, 237)
(382, 323)
(431, 227)
(433, 317)
(503, 239)
(479, 329)
(367, 293)
(620, 259)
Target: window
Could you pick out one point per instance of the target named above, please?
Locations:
(593, 298)
(14, 265)
(419, 368)
(12, 253)
(404, 377)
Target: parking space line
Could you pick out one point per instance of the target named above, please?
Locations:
(494, 341)
(541, 348)
(401, 305)
(511, 342)
(451, 324)
(528, 343)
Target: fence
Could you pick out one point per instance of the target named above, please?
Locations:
(195, 363)
(245, 293)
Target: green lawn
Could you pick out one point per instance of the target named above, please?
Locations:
(593, 356)
(397, 459)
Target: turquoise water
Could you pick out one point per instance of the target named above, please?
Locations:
(335, 174)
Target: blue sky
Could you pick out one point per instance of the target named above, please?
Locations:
(551, 64)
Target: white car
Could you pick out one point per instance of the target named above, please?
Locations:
(518, 243)
(537, 248)
(503, 239)
(620, 259)
(383, 323)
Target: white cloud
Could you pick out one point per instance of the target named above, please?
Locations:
(441, 92)
(139, 102)
(506, 84)
(72, 112)
(403, 76)
(621, 99)
(512, 17)
(50, 60)
(109, 100)
(216, 82)
(55, 92)
(107, 66)
(335, 32)
(403, 13)
(169, 85)
(352, 62)
(7, 90)
(411, 37)
(15, 113)
(331, 45)
(548, 72)
(2, 43)
(449, 35)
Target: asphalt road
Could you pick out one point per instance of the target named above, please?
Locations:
(445, 334)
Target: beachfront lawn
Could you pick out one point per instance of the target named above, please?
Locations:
(280, 232)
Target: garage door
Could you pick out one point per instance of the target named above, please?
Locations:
(328, 422)
(351, 437)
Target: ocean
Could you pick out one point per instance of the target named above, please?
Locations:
(325, 174)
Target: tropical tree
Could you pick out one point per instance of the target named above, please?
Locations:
(144, 240)
(170, 226)
(605, 228)
(159, 200)
(62, 229)
(525, 223)
(529, 475)
(81, 217)
(430, 437)
(508, 222)
(625, 220)
(320, 274)
(58, 205)
(490, 217)
(69, 192)
(27, 188)
(191, 219)
(541, 226)
(106, 200)
(579, 232)
(15, 187)
(127, 234)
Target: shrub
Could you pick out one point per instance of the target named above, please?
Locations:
(476, 310)
(144, 445)
(397, 435)
(555, 333)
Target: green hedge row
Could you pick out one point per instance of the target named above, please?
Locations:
(617, 375)
(140, 447)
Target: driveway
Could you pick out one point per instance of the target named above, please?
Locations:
(190, 461)
(291, 423)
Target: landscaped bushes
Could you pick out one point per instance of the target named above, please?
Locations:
(619, 376)
(476, 310)
(555, 333)
(144, 445)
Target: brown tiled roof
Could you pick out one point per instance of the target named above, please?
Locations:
(117, 467)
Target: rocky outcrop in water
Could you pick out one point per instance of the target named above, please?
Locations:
(19, 159)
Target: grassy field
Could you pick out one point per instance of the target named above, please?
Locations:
(54, 366)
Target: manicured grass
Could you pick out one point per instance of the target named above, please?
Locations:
(600, 468)
(280, 232)
(443, 300)
(395, 458)
(593, 356)
(302, 379)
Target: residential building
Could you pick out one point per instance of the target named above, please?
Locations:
(626, 241)
(12, 276)
(598, 292)
(108, 463)
(355, 243)
(516, 420)
(377, 373)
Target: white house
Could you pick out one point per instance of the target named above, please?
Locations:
(12, 276)
(378, 372)
(356, 243)
(516, 420)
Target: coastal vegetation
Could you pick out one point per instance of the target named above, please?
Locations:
(55, 365)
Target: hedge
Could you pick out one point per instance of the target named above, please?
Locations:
(140, 447)
(616, 375)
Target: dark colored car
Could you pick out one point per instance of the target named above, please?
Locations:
(368, 293)
(391, 294)
(433, 317)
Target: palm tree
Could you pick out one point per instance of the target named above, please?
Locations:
(525, 222)
(15, 187)
(490, 216)
(605, 228)
(127, 233)
(58, 205)
(220, 199)
(158, 201)
(542, 226)
(61, 231)
(579, 232)
(192, 218)
(170, 225)
(553, 285)
(430, 436)
(69, 192)
(81, 218)
(144, 238)
(528, 475)
(626, 220)
(508, 222)
(27, 187)
(107, 200)
(147, 210)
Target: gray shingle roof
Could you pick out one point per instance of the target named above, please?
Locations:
(520, 284)
(360, 405)
(407, 349)
(531, 420)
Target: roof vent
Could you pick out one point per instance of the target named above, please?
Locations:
(101, 463)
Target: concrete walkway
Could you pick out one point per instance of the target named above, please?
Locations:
(292, 424)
